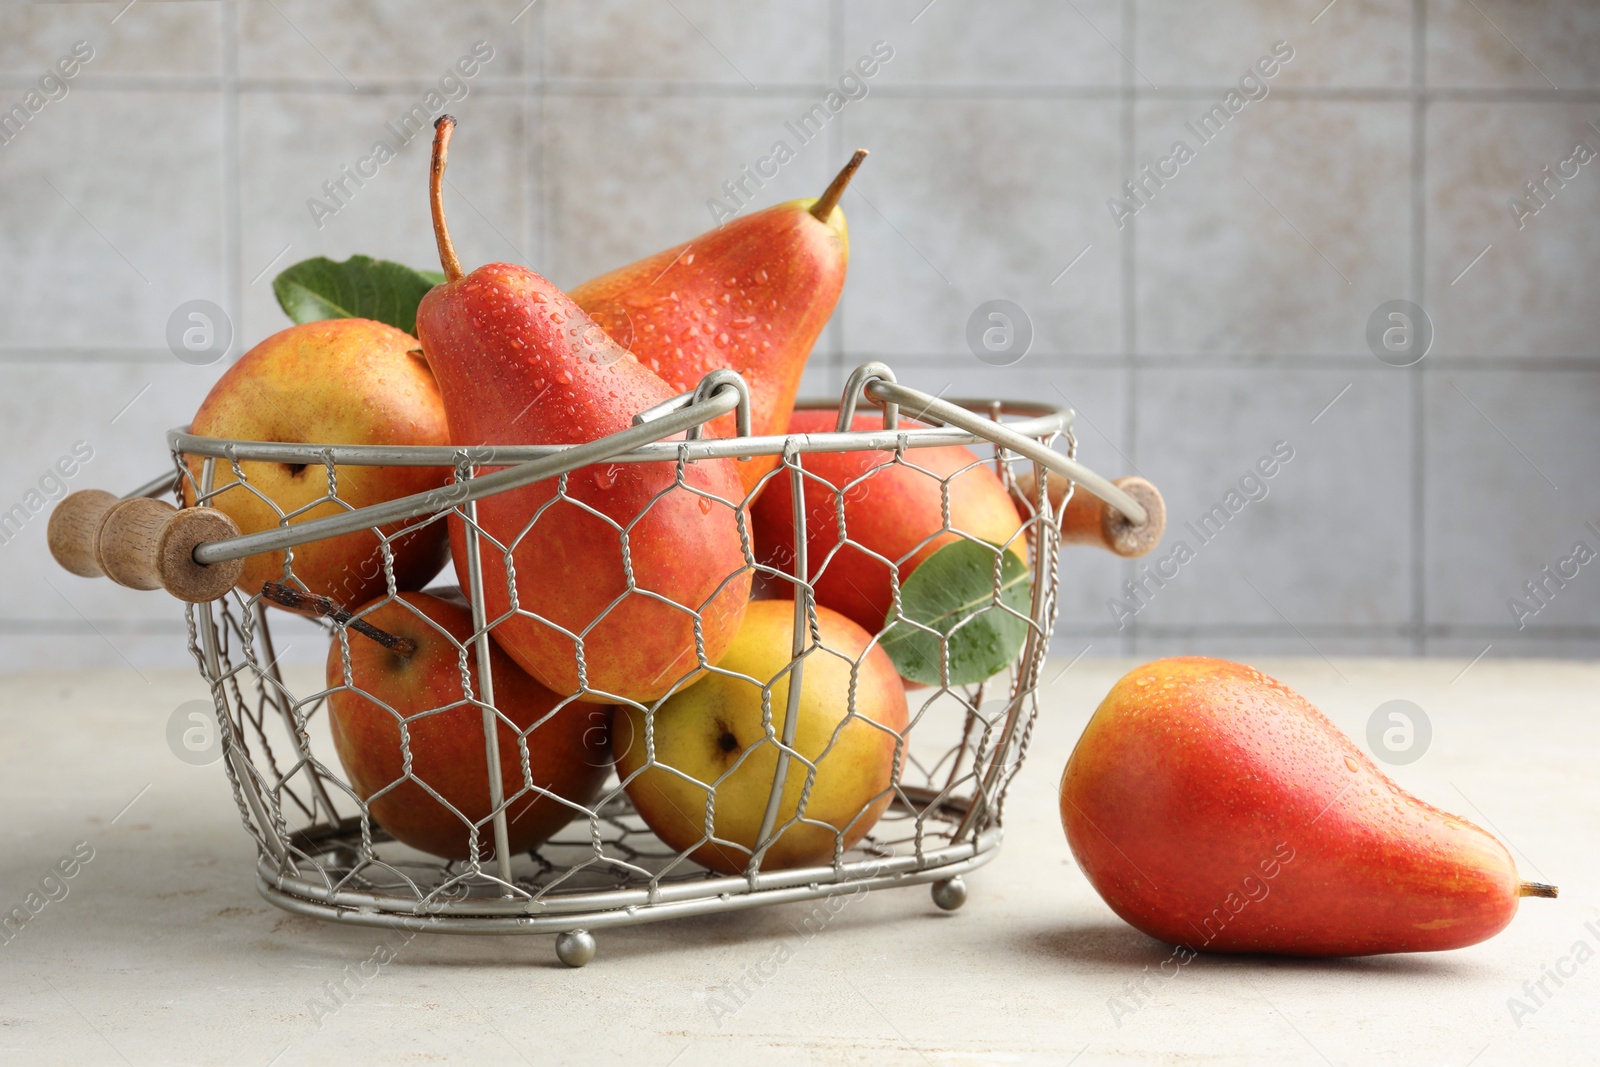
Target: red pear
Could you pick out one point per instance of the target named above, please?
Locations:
(519, 363)
(892, 511)
(751, 295)
(568, 750)
(1215, 808)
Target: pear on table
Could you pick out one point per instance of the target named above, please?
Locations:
(518, 362)
(1215, 808)
(751, 295)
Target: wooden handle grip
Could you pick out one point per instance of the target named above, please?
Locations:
(71, 532)
(1088, 520)
(142, 543)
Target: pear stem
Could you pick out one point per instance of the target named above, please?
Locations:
(830, 196)
(1537, 889)
(299, 600)
(441, 235)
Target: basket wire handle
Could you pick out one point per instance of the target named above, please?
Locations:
(936, 410)
(183, 552)
(485, 680)
(867, 372)
(799, 641)
(709, 386)
(690, 414)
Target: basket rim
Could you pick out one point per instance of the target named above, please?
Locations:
(654, 437)
(1036, 419)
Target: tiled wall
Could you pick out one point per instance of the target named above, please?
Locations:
(1230, 313)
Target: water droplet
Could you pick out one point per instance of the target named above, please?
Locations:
(605, 478)
(688, 259)
(1350, 761)
(705, 506)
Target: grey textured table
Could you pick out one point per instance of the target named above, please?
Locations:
(160, 952)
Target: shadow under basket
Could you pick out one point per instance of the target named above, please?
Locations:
(322, 853)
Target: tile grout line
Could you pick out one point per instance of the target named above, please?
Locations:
(1128, 249)
(1091, 361)
(538, 29)
(579, 88)
(531, 72)
(835, 363)
(232, 192)
(1414, 378)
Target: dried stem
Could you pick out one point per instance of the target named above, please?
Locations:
(299, 600)
(830, 196)
(1537, 889)
(441, 235)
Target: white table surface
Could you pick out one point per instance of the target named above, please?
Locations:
(162, 953)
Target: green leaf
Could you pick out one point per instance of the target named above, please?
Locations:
(953, 592)
(359, 288)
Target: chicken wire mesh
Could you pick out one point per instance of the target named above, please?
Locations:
(336, 825)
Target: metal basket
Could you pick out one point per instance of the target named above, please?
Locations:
(320, 851)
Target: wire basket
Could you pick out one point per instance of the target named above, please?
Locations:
(321, 850)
